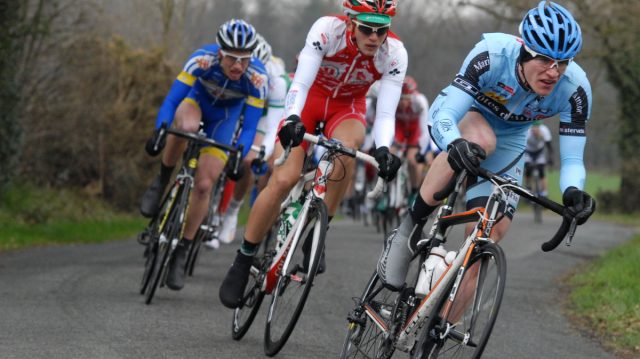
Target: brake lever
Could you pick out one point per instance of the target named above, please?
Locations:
(572, 231)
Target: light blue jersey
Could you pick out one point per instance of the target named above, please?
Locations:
(488, 83)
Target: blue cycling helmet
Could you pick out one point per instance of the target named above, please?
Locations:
(550, 30)
(237, 35)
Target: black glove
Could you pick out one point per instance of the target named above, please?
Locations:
(580, 204)
(465, 155)
(388, 164)
(156, 142)
(292, 132)
(420, 158)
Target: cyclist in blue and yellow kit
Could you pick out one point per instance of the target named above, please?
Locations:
(505, 84)
(218, 83)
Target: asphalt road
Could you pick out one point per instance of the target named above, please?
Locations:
(82, 301)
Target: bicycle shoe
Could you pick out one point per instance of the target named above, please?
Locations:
(234, 283)
(175, 277)
(306, 248)
(151, 198)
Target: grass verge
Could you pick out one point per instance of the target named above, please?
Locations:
(604, 299)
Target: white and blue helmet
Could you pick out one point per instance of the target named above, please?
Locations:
(237, 35)
(263, 50)
(550, 30)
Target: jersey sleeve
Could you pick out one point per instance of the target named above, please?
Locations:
(309, 61)
(196, 65)
(254, 106)
(277, 94)
(388, 98)
(573, 137)
(456, 100)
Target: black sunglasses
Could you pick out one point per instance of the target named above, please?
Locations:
(368, 30)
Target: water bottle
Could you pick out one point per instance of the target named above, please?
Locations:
(287, 221)
(433, 268)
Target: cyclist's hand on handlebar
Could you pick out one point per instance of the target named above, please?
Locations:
(580, 205)
(465, 155)
(388, 164)
(156, 142)
(292, 132)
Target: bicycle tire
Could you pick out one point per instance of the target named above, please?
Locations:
(194, 251)
(175, 222)
(477, 320)
(283, 314)
(151, 248)
(254, 294)
(364, 338)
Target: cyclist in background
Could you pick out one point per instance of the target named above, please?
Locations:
(504, 85)
(342, 57)
(218, 83)
(538, 154)
(265, 136)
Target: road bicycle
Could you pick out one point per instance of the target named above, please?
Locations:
(281, 270)
(166, 228)
(535, 183)
(455, 316)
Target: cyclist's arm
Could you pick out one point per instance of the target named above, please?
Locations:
(573, 138)
(254, 104)
(456, 100)
(384, 125)
(308, 65)
(426, 143)
(275, 113)
(181, 86)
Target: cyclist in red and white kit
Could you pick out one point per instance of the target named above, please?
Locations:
(342, 57)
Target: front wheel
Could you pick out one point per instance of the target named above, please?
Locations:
(463, 332)
(295, 280)
(244, 315)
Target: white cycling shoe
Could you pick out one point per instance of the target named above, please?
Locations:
(228, 228)
(212, 244)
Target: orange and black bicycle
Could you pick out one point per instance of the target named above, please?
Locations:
(452, 316)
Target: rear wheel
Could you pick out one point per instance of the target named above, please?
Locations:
(295, 281)
(465, 331)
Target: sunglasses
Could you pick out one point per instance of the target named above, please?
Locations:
(549, 62)
(368, 30)
(236, 58)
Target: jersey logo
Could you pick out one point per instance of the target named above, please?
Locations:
(257, 80)
(324, 38)
(499, 99)
(316, 44)
(510, 90)
(394, 72)
(204, 62)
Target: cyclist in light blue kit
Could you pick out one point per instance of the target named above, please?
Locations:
(218, 83)
(505, 84)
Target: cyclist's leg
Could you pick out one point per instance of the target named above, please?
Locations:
(394, 260)
(543, 178)
(351, 132)
(187, 118)
(230, 220)
(263, 214)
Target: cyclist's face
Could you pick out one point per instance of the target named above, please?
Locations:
(234, 63)
(369, 37)
(541, 76)
(405, 102)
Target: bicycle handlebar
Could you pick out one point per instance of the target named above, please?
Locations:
(201, 139)
(568, 226)
(338, 147)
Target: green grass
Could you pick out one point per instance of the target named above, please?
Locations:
(596, 182)
(32, 216)
(607, 296)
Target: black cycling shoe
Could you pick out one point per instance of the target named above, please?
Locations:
(234, 283)
(151, 198)
(175, 277)
(306, 248)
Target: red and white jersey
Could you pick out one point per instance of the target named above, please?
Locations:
(418, 111)
(331, 65)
